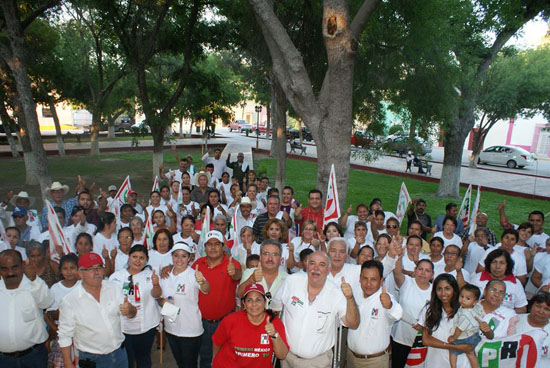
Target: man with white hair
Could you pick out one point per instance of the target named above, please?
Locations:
(311, 304)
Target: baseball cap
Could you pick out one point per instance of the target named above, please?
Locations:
(254, 287)
(19, 211)
(182, 246)
(214, 234)
(240, 154)
(130, 192)
(112, 187)
(89, 259)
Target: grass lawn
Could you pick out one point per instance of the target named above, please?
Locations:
(108, 169)
(364, 185)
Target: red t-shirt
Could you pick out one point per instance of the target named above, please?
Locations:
(220, 300)
(318, 217)
(243, 344)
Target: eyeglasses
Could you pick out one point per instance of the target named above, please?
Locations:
(267, 254)
(93, 269)
(450, 254)
(18, 216)
(391, 226)
(496, 291)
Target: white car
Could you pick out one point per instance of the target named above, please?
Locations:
(509, 156)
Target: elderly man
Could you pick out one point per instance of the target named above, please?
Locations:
(453, 265)
(219, 164)
(223, 273)
(202, 190)
(90, 317)
(240, 168)
(243, 216)
(368, 344)
(23, 296)
(22, 199)
(311, 304)
(481, 221)
(273, 211)
(57, 191)
(28, 233)
(268, 272)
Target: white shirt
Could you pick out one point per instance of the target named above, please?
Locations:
(184, 289)
(100, 241)
(277, 283)
(412, 299)
(350, 272)
(465, 274)
(476, 254)
(21, 320)
(543, 340)
(93, 326)
(59, 291)
(439, 357)
(310, 327)
(4, 245)
(158, 260)
(71, 232)
(502, 321)
(373, 334)
(538, 240)
(518, 256)
(121, 260)
(219, 165)
(148, 315)
(455, 240)
(515, 294)
(542, 265)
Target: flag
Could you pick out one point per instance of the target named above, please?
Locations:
(204, 230)
(156, 185)
(180, 195)
(475, 210)
(3, 235)
(120, 198)
(418, 352)
(56, 232)
(402, 203)
(332, 207)
(515, 351)
(149, 233)
(464, 213)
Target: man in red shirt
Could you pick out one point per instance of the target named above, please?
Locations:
(312, 212)
(223, 274)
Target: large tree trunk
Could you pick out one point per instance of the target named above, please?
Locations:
(278, 144)
(31, 175)
(111, 128)
(58, 134)
(7, 123)
(158, 149)
(94, 131)
(17, 62)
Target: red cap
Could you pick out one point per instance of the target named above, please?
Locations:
(130, 192)
(89, 259)
(254, 287)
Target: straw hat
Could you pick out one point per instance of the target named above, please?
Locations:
(198, 175)
(57, 186)
(21, 195)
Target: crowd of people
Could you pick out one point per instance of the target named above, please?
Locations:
(238, 274)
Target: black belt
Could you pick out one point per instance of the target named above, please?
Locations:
(22, 353)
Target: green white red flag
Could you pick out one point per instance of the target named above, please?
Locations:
(332, 207)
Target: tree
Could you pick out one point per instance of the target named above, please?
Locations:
(517, 84)
(475, 51)
(16, 56)
(328, 115)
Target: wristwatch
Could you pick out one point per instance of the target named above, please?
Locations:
(275, 336)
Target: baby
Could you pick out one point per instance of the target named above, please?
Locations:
(466, 324)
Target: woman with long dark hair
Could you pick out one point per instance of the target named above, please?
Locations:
(437, 321)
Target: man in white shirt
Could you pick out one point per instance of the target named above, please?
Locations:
(89, 317)
(219, 164)
(311, 304)
(23, 296)
(368, 344)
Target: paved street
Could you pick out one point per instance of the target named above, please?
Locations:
(533, 180)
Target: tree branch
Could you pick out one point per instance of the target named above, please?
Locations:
(38, 12)
(362, 17)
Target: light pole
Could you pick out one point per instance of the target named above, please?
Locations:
(258, 109)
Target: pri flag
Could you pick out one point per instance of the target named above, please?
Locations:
(149, 233)
(121, 197)
(56, 232)
(464, 213)
(205, 228)
(332, 207)
(156, 185)
(517, 351)
(417, 354)
(475, 210)
(402, 203)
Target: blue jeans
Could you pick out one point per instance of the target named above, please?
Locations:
(185, 350)
(138, 348)
(37, 358)
(206, 343)
(116, 359)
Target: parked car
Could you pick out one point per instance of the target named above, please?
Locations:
(236, 125)
(402, 145)
(295, 134)
(123, 124)
(510, 156)
(362, 139)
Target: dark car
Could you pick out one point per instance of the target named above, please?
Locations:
(295, 134)
(402, 145)
(362, 139)
(123, 124)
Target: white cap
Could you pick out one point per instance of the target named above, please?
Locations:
(182, 246)
(214, 234)
(112, 187)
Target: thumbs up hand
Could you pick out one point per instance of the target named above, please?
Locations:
(385, 298)
(155, 278)
(127, 309)
(231, 267)
(483, 326)
(199, 277)
(258, 274)
(346, 289)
